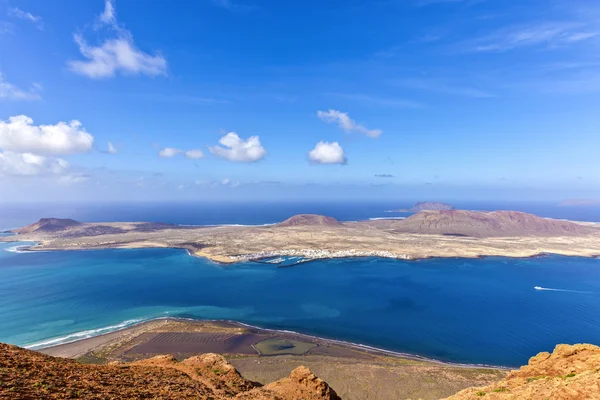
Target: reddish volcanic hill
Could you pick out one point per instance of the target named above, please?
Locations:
(27, 374)
(310, 219)
(569, 373)
(49, 225)
(484, 224)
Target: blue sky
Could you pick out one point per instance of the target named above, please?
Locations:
(236, 99)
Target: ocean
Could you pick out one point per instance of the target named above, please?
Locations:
(483, 311)
(258, 213)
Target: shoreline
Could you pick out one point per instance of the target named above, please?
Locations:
(125, 329)
(258, 257)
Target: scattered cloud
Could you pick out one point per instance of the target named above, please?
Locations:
(28, 164)
(327, 153)
(9, 91)
(194, 154)
(109, 15)
(228, 182)
(111, 148)
(73, 179)
(384, 176)
(441, 87)
(169, 152)
(18, 134)
(223, 182)
(346, 123)
(27, 16)
(378, 101)
(115, 55)
(233, 148)
(547, 34)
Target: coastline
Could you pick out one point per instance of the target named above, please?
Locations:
(79, 347)
(306, 254)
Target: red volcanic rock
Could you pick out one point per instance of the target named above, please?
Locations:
(482, 224)
(26, 374)
(569, 373)
(48, 225)
(309, 219)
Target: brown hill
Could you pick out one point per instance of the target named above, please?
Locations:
(309, 219)
(27, 374)
(485, 224)
(569, 373)
(49, 225)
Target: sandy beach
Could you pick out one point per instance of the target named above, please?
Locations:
(351, 369)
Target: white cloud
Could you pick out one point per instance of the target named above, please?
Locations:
(108, 16)
(346, 123)
(327, 153)
(36, 20)
(169, 152)
(73, 179)
(236, 149)
(18, 134)
(9, 91)
(28, 164)
(194, 154)
(114, 55)
(546, 34)
(111, 148)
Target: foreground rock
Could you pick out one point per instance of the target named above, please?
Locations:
(570, 372)
(27, 374)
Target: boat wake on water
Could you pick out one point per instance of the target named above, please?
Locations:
(560, 290)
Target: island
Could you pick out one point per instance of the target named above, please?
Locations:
(427, 234)
(426, 205)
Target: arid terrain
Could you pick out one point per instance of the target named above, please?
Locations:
(451, 233)
(126, 364)
(570, 372)
(354, 373)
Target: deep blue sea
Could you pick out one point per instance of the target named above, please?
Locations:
(483, 311)
(244, 213)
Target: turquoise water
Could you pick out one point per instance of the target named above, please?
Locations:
(483, 311)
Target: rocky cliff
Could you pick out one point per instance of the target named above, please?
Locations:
(27, 374)
(569, 373)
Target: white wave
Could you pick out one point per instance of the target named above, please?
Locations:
(73, 337)
(383, 218)
(559, 290)
(22, 249)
